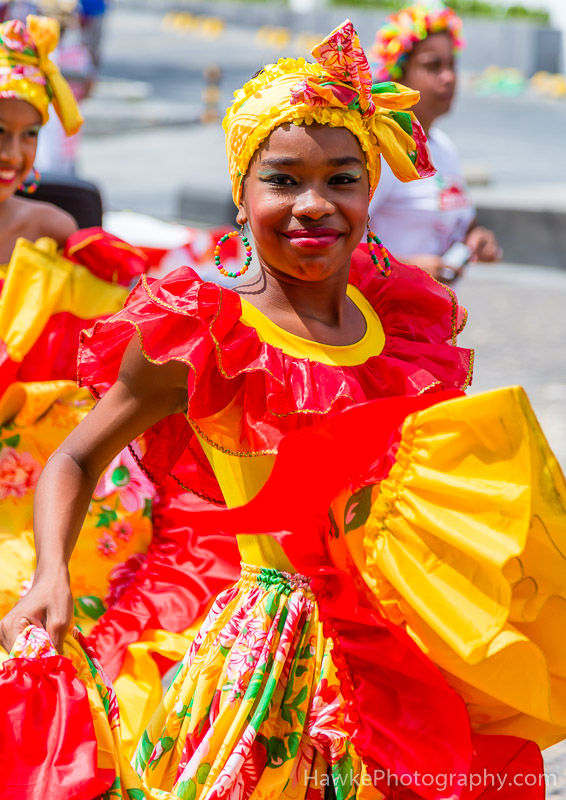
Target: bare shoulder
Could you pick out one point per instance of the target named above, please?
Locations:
(44, 219)
(54, 222)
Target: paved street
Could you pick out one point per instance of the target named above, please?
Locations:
(516, 142)
(517, 326)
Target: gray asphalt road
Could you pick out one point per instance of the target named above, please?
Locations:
(517, 138)
(517, 326)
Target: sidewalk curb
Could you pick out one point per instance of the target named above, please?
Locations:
(528, 236)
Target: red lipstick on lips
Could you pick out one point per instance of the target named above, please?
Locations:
(7, 176)
(313, 237)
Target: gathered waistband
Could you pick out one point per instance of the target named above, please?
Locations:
(270, 578)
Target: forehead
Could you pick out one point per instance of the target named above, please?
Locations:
(310, 143)
(437, 44)
(14, 111)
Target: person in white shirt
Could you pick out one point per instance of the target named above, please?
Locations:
(421, 223)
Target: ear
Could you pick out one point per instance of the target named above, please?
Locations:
(241, 217)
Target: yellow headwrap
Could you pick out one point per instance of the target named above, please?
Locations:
(27, 73)
(337, 91)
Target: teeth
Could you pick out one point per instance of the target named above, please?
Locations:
(7, 174)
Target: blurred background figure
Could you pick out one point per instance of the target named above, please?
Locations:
(432, 224)
(92, 15)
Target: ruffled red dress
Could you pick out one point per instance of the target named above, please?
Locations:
(180, 317)
(311, 665)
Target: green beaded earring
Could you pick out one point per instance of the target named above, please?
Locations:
(384, 268)
(219, 244)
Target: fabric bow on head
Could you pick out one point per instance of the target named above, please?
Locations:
(336, 90)
(345, 63)
(350, 86)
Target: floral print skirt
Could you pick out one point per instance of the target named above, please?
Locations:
(255, 709)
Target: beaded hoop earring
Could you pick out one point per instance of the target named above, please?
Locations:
(219, 244)
(32, 187)
(384, 268)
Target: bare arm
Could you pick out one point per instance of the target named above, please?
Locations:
(143, 394)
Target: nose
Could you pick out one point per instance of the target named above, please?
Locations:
(448, 76)
(312, 203)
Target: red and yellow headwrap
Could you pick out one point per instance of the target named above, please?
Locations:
(336, 90)
(27, 73)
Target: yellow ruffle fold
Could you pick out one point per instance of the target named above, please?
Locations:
(139, 687)
(40, 283)
(465, 546)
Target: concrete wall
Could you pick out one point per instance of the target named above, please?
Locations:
(526, 46)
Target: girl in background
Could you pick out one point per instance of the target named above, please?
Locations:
(421, 222)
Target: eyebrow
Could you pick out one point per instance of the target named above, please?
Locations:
(286, 161)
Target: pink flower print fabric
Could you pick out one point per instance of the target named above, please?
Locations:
(33, 642)
(19, 473)
(343, 58)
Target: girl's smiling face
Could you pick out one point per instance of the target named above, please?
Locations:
(20, 123)
(306, 196)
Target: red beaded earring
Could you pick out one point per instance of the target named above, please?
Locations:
(32, 187)
(219, 244)
(384, 268)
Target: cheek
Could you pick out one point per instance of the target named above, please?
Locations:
(420, 79)
(265, 210)
(357, 211)
(29, 150)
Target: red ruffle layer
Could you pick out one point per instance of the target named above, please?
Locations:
(47, 742)
(181, 318)
(183, 570)
(106, 256)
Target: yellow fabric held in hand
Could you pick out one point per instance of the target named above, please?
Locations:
(465, 547)
(40, 283)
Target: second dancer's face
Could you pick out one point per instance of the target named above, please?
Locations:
(431, 69)
(306, 197)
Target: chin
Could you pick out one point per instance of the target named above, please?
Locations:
(444, 107)
(315, 271)
(6, 192)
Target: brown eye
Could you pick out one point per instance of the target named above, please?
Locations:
(344, 178)
(279, 180)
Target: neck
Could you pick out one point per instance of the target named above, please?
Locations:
(7, 208)
(320, 301)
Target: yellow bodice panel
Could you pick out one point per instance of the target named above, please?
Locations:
(241, 477)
